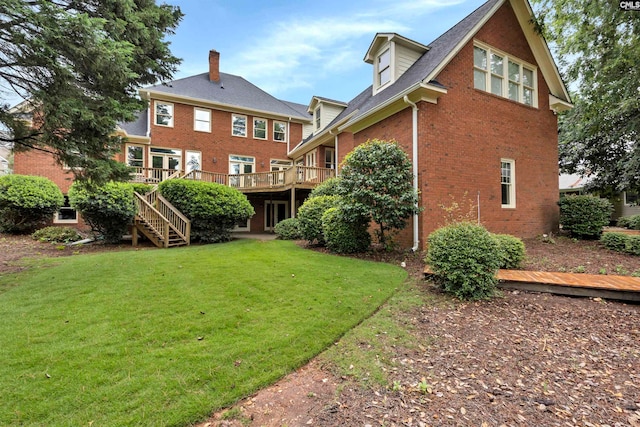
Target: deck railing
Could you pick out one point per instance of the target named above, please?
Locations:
(161, 215)
(266, 180)
(153, 175)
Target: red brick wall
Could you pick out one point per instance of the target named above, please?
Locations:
(40, 163)
(219, 143)
(463, 137)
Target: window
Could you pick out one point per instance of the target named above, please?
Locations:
(260, 128)
(280, 131)
(164, 114)
(66, 214)
(193, 161)
(238, 166)
(238, 125)
(631, 198)
(384, 68)
(503, 75)
(507, 183)
(316, 117)
(135, 156)
(329, 158)
(202, 120)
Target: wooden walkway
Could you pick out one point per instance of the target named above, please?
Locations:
(589, 285)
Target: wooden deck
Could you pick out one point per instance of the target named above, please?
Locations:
(625, 288)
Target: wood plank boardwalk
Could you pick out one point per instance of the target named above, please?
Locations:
(592, 285)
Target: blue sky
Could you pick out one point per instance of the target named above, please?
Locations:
(297, 49)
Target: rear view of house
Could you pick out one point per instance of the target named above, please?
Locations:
(475, 110)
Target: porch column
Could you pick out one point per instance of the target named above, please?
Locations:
(293, 202)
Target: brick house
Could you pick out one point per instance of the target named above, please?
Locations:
(475, 110)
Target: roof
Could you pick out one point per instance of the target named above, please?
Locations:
(137, 127)
(231, 91)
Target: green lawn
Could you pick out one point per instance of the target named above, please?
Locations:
(164, 337)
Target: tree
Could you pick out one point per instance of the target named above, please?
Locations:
(376, 183)
(598, 45)
(77, 65)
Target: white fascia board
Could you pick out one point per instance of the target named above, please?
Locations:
(318, 139)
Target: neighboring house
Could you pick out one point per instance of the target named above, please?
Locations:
(475, 110)
(625, 203)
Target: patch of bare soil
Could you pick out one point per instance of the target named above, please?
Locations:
(523, 359)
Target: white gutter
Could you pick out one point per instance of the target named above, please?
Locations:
(414, 107)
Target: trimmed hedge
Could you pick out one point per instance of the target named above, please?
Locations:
(310, 217)
(512, 250)
(615, 241)
(584, 216)
(108, 209)
(345, 235)
(27, 202)
(214, 209)
(288, 229)
(631, 222)
(465, 259)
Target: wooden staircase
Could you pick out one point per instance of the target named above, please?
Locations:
(160, 222)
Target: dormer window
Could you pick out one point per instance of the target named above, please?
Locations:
(384, 68)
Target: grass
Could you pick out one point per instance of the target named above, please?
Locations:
(165, 337)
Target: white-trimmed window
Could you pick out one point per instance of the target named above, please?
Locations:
(260, 128)
(508, 182)
(280, 131)
(504, 75)
(238, 125)
(66, 214)
(316, 116)
(329, 158)
(135, 156)
(164, 114)
(202, 119)
(384, 68)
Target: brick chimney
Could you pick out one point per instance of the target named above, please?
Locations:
(214, 65)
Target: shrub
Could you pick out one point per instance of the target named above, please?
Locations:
(584, 216)
(327, 188)
(27, 202)
(512, 250)
(465, 259)
(57, 234)
(615, 241)
(633, 245)
(345, 235)
(288, 229)
(310, 217)
(631, 222)
(141, 187)
(109, 209)
(214, 209)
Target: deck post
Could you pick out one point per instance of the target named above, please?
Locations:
(293, 201)
(134, 235)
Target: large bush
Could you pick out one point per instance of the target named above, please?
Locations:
(584, 216)
(328, 188)
(632, 222)
(109, 209)
(343, 234)
(288, 229)
(465, 259)
(512, 250)
(214, 209)
(27, 202)
(310, 217)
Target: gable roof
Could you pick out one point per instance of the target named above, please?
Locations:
(422, 74)
(231, 92)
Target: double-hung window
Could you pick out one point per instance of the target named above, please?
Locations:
(508, 182)
(280, 131)
(504, 75)
(384, 68)
(238, 125)
(164, 114)
(260, 128)
(202, 119)
(316, 116)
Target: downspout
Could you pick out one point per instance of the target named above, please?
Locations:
(149, 115)
(335, 150)
(414, 107)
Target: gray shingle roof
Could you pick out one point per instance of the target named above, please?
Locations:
(422, 68)
(138, 127)
(230, 90)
